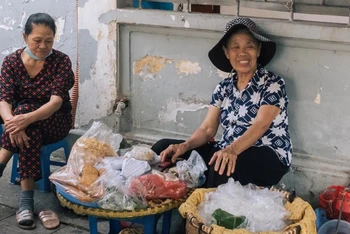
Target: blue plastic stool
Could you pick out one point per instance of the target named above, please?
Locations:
(320, 217)
(45, 153)
(149, 223)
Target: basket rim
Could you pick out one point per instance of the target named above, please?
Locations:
(126, 214)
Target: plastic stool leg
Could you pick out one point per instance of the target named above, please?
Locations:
(93, 224)
(66, 151)
(14, 172)
(44, 183)
(166, 222)
(114, 226)
(149, 223)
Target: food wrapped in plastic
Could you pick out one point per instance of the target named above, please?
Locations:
(192, 170)
(117, 199)
(81, 177)
(263, 208)
(142, 153)
(158, 186)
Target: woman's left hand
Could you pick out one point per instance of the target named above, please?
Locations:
(225, 158)
(17, 123)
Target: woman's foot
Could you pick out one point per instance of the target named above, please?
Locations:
(25, 216)
(25, 219)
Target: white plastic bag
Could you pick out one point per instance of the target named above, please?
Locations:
(192, 170)
(264, 209)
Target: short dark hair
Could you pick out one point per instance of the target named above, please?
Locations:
(39, 18)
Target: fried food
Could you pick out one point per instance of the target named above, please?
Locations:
(89, 175)
(98, 148)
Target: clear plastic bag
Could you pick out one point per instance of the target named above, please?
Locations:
(81, 177)
(117, 199)
(142, 153)
(158, 186)
(192, 170)
(264, 209)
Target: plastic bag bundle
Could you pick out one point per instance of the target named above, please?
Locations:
(158, 186)
(142, 153)
(82, 177)
(192, 170)
(264, 209)
(117, 199)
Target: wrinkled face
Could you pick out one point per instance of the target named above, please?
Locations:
(40, 40)
(243, 51)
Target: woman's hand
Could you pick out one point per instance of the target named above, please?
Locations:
(225, 158)
(19, 139)
(173, 152)
(17, 123)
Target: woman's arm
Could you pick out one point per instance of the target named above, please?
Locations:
(20, 122)
(201, 136)
(5, 111)
(227, 157)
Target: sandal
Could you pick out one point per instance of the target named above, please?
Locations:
(49, 219)
(25, 219)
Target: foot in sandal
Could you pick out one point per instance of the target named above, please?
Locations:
(25, 219)
(49, 219)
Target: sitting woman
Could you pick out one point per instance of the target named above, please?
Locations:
(34, 105)
(251, 106)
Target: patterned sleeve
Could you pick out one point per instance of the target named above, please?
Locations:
(7, 86)
(64, 78)
(275, 93)
(217, 97)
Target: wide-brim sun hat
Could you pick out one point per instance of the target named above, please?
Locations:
(217, 55)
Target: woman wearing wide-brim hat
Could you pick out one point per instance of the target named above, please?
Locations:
(250, 105)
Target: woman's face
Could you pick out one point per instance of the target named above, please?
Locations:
(243, 51)
(40, 40)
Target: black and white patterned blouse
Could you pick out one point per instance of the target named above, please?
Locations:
(238, 109)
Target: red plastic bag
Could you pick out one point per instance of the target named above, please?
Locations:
(158, 186)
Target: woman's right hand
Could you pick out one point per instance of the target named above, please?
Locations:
(173, 152)
(20, 139)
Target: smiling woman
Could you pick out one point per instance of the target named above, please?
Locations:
(250, 105)
(34, 105)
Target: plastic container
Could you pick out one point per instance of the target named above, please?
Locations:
(346, 207)
(154, 5)
(330, 226)
(328, 199)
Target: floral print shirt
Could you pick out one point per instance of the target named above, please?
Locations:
(238, 110)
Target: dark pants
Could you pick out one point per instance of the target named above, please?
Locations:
(256, 165)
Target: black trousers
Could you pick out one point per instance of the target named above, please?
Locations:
(256, 165)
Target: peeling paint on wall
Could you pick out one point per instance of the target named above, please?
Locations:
(7, 23)
(102, 74)
(60, 28)
(188, 67)
(169, 113)
(23, 16)
(318, 99)
(9, 51)
(149, 65)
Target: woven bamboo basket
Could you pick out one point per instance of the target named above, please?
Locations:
(194, 226)
(124, 214)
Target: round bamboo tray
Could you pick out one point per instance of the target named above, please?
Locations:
(125, 214)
